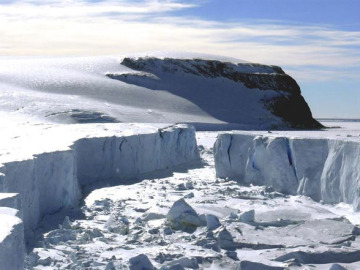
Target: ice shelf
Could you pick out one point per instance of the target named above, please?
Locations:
(49, 180)
(325, 169)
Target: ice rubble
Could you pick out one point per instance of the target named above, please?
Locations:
(51, 178)
(325, 169)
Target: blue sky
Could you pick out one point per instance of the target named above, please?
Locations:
(315, 41)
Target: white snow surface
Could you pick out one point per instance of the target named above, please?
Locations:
(76, 89)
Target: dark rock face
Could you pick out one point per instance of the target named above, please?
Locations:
(294, 110)
(288, 104)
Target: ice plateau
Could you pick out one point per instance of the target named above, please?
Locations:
(207, 91)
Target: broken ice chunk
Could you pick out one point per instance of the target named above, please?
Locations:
(248, 216)
(116, 226)
(183, 217)
(140, 262)
(212, 222)
(225, 240)
(247, 265)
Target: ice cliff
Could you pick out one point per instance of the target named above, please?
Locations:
(325, 169)
(52, 180)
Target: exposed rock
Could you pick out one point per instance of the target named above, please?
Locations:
(287, 104)
(288, 107)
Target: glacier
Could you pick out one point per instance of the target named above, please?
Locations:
(53, 180)
(325, 169)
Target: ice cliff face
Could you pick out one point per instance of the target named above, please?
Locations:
(52, 181)
(12, 247)
(285, 100)
(326, 170)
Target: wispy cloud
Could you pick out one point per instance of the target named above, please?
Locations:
(71, 27)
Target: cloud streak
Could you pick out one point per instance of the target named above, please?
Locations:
(70, 27)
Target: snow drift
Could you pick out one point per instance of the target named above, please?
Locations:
(324, 169)
(206, 91)
(51, 181)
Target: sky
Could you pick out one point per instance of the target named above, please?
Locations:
(315, 41)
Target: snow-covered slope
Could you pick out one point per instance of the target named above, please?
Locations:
(150, 87)
(323, 167)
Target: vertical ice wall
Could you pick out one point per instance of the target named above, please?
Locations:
(323, 169)
(126, 157)
(12, 244)
(52, 181)
(45, 184)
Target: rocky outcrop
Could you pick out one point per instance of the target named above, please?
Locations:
(287, 102)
